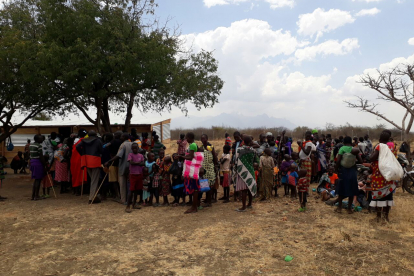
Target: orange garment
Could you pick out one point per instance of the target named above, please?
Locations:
(333, 178)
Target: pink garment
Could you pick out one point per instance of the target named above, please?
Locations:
(135, 169)
(192, 167)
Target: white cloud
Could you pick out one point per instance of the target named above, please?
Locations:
(321, 21)
(411, 41)
(330, 47)
(274, 4)
(365, 12)
(248, 40)
(367, 1)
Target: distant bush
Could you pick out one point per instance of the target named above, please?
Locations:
(215, 133)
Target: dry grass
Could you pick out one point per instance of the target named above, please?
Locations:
(65, 236)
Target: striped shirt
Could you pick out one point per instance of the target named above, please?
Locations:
(35, 150)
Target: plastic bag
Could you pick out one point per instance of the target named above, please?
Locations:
(388, 164)
(10, 146)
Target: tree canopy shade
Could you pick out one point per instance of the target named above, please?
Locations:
(102, 54)
(23, 91)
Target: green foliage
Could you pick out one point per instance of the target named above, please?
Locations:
(23, 90)
(103, 55)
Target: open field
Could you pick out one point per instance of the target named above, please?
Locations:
(65, 236)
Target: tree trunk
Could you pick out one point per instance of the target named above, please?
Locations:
(129, 112)
(105, 116)
(98, 104)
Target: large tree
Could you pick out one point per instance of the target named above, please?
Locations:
(24, 92)
(103, 55)
(394, 85)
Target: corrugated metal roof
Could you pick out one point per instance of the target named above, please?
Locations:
(85, 122)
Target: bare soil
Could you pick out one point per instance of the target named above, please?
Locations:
(65, 236)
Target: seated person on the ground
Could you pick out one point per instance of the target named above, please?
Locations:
(362, 197)
(327, 184)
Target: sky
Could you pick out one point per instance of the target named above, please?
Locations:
(296, 59)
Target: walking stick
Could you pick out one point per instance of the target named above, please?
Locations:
(100, 186)
(50, 179)
(83, 178)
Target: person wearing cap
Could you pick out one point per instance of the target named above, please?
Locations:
(269, 137)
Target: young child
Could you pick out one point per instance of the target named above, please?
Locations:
(47, 181)
(204, 184)
(176, 171)
(225, 173)
(146, 184)
(166, 180)
(284, 168)
(266, 168)
(292, 179)
(151, 167)
(182, 145)
(157, 179)
(303, 188)
(136, 162)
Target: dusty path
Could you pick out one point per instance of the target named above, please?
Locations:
(65, 236)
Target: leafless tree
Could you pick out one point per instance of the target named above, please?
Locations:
(395, 85)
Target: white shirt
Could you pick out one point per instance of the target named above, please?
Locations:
(303, 155)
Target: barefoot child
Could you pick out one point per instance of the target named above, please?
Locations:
(136, 162)
(151, 167)
(166, 180)
(157, 178)
(243, 175)
(146, 186)
(292, 177)
(225, 173)
(284, 168)
(193, 161)
(303, 187)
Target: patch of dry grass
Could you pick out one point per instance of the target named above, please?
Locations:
(65, 236)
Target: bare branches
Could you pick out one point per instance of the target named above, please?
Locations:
(365, 106)
(395, 85)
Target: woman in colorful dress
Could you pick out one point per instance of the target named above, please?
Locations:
(61, 166)
(243, 172)
(382, 190)
(193, 161)
(306, 150)
(210, 160)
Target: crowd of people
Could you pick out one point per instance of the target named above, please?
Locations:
(135, 170)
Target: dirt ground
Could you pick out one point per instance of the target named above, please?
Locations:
(65, 236)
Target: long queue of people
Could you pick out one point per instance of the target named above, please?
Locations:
(135, 170)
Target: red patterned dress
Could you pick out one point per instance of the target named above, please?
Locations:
(382, 190)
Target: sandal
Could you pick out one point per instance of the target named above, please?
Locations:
(240, 210)
(190, 211)
(128, 210)
(337, 210)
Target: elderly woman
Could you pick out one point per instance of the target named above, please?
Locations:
(382, 190)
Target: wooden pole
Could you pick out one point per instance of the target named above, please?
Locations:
(100, 186)
(51, 182)
(83, 177)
